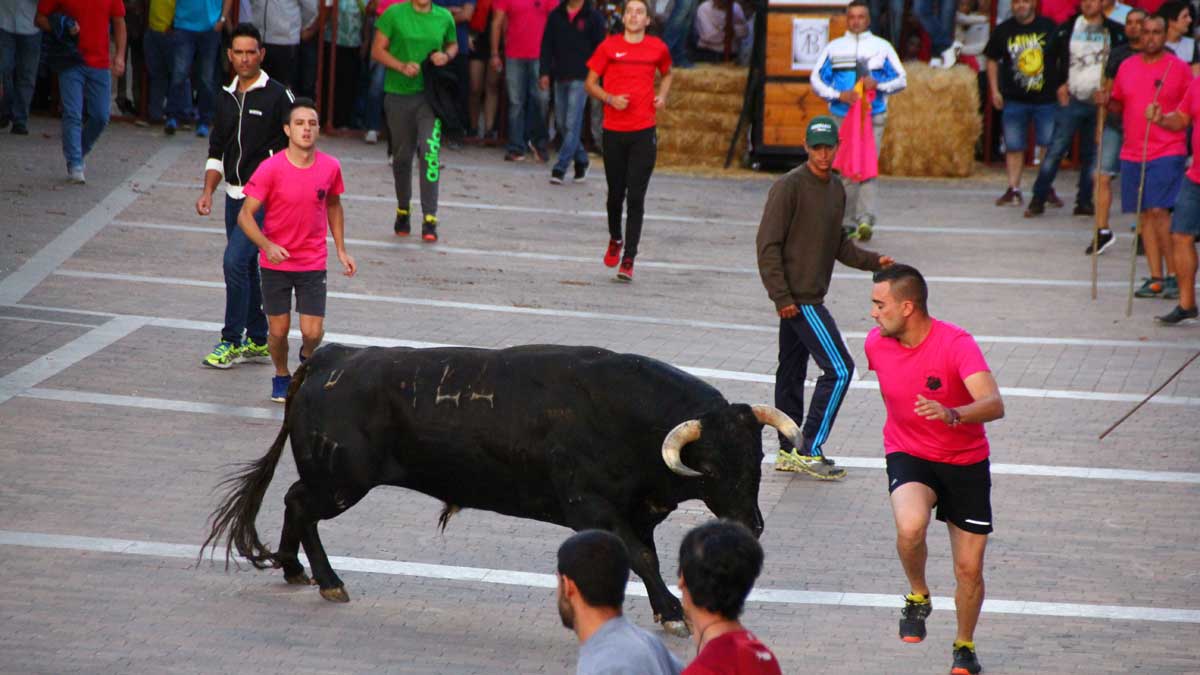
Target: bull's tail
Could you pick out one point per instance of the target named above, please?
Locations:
(234, 518)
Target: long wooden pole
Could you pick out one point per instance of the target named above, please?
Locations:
(1137, 232)
(1101, 118)
(1147, 399)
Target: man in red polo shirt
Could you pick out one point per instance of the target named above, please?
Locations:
(87, 85)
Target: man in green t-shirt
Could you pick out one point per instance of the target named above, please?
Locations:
(404, 36)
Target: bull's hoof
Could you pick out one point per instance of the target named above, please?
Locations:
(338, 594)
(676, 628)
(300, 579)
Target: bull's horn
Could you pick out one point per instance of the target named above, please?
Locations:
(775, 417)
(673, 444)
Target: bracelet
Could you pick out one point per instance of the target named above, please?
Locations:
(608, 99)
(955, 418)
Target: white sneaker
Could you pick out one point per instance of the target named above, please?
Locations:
(75, 175)
(935, 62)
(372, 137)
(950, 56)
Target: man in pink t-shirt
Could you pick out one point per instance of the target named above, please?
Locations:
(1152, 165)
(1185, 220)
(938, 392)
(301, 189)
(520, 23)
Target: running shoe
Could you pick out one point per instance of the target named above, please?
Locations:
(202, 130)
(1152, 287)
(965, 661)
(252, 351)
(224, 355)
(864, 231)
(279, 387)
(1053, 200)
(170, 126)
(75, 175)
(371, 137)
(429, 228)
(912, 617)
(1036, 208)
(401, 227)
(613, 254)
(625, 273)
(19, 129)
(556, 176)
(1171, 289)
(1105, 239)
(1179, 317)
(787, 460)
(513, 156)
(1084, 210)
(1012, 197)
(817, 467)
(581, 172)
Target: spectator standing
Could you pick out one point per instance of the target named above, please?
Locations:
(85, 88)
(971, 28)
(405, 36)
(159, 46)
(1117, 11)
(284, 24)
(627, 62)
(894, 10)
(859, 55)
(593, 568)
(1112, 136)
(250, 116)
(462, 11)
(1179, 24)
(799, 238)
(1021, 88)
(1185, 220)
(710, 30)
(938, 392)
(520, 24)
(1080, 47)
(198, 28)
(1160, 152)
(301, 189)
(1058, 11)
(485, 77)
(348, 45)
(718, 563)
(937, 18)
(129, 84)
(573, 31)
(678, 31)
(20, 48)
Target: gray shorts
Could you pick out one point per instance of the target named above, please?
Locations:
(277, 287)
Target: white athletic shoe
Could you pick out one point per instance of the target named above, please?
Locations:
(372, 137)
(950, 55)
(75, 175)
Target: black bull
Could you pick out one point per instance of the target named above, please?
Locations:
(576, 436)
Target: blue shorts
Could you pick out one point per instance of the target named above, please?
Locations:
(1017, 116)
(1110, 154)
(1186, 219)
(1163, 178)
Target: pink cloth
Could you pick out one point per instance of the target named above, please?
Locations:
(382, 5)
(1059, 11)
(856, 157)
(526, 23)
(295, 200)
(935, 369)
(1191, 107)
(1134, 88)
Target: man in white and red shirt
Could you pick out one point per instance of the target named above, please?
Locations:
(520, 24)
(301, 189)
(938, 392)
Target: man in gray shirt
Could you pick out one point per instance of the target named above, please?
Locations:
(593, 567)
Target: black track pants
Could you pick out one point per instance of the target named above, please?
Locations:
(629, 158)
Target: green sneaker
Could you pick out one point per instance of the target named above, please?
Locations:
(864, 231)
(223, 356)
(1171, 289)
(254, 352)
(787, 460)
(1152, 287)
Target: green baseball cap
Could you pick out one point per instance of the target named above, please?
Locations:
(822, 130)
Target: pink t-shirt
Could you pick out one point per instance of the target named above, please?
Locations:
(525, 24)
(382, 5)
(1134, 88)
(295, 201)
(935, 369)
(1191, 107)
(1058, 11)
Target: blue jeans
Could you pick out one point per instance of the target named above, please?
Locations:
(373, 118)
(243, 286)
(199, 47)
(526, 104)
(160, 60)
(18, 74)
(1075, 116)
(83, 89)
(895, 12)
(678, 30)
(938, 23)
(570, 100)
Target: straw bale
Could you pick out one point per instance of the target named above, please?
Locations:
(932, 125)
(711, 78)
(698, 119)
(694, 142)
(704, 100)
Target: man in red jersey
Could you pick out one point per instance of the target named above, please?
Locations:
(627, 63)
(938, 392)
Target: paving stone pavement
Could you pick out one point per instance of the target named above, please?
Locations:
(521, 266)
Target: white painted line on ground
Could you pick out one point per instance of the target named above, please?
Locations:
(9, 317)
(16, 285)
(276, 413)
(66, 356)
(548, 581)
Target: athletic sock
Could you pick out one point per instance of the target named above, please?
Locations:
(917, 598)
(969, 644)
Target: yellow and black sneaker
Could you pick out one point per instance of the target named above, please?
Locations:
(401, 226)
(912, 617)
(965, 661)
(429, 228)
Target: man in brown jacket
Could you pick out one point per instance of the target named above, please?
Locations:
(799, 237)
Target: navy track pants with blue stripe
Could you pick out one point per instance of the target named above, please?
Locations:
(812, 333)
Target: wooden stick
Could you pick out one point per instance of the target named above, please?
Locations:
(1101, 117)
(1147, 399)
(1137, 231)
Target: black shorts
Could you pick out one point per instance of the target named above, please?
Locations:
(277, 287)
(964, 493)
(483, 45)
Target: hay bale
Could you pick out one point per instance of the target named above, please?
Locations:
(701, 114)
(932, 125)
(700, 119)
(712, 78)
(704, 100)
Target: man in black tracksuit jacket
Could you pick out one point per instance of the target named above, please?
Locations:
(573, 31)
(248, 128)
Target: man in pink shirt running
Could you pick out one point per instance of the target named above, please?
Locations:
(938, 392)
(302, 189)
